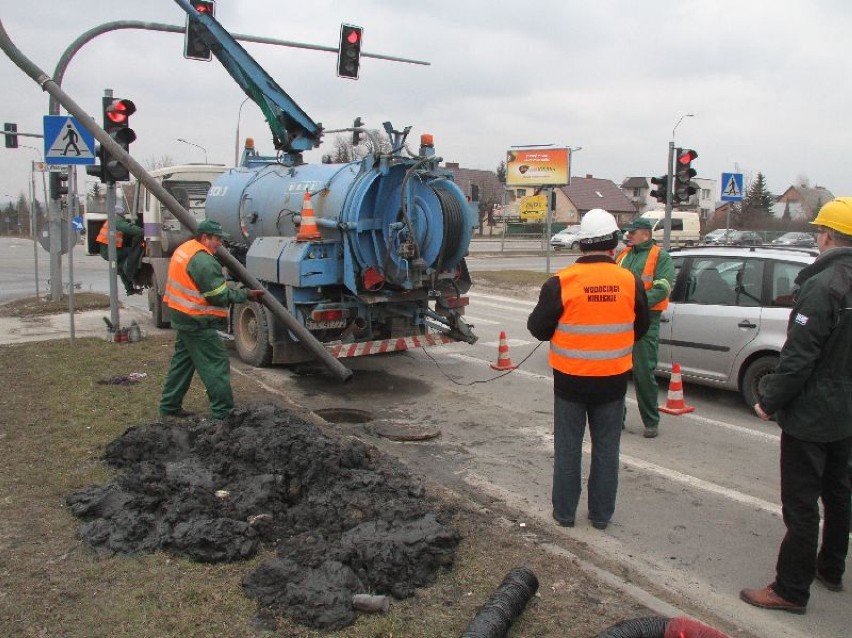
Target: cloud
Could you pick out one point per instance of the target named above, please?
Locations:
(765, 83)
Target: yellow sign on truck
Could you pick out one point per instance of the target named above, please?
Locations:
(533, 208)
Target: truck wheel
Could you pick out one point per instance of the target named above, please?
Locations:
(756, 370)
(159, 310)
(251, 334)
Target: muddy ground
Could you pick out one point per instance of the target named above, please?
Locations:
(344, 519)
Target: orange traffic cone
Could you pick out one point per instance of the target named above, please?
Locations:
(308, 228)
(674, 401)
(504, 362)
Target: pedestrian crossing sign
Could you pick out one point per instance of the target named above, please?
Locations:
(66, 141)
(732, 187)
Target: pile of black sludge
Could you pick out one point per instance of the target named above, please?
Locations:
(343, 518)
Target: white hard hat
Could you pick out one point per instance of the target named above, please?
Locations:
(597, 225)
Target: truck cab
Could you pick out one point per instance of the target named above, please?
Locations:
(189, 184)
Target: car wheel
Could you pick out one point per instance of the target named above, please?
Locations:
(756, 370)
(574, 245)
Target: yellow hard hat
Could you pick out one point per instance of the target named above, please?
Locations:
(837, 215)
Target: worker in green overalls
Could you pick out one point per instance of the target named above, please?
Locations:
(655, 269)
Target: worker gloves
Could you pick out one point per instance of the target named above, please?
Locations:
(255, 295)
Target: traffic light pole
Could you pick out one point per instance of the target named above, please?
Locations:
(112, 254)
(76, 45)
(72, 234)
(667, 222)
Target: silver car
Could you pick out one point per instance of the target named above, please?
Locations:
(566, 238)
(727, 317)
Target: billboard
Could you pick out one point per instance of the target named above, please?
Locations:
(537, 167)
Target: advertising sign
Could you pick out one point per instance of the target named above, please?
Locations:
(533, 208)
(537, 167)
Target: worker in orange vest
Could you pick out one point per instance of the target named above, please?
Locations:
(128, 237)
(198, 297)
(591, 312)
(655, 268)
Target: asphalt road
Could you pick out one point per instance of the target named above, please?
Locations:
(698, 514)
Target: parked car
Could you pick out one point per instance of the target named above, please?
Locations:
(566, 238)
(795, 239)
(727, 317)
(731, 237)
(744, 238)
(715, 236)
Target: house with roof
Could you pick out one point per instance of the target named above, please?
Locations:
(585, 193)
(801, 203)
(480, 186)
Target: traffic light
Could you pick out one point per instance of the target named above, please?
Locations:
(194, 45)
(349, 52)
(11, 135)
(683, 187)
(58, 184)
(662, 184)
(117, 125)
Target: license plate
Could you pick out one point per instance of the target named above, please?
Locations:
(325, 325)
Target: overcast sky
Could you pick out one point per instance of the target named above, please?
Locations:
(769, 81)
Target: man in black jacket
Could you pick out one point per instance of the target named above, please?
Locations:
(810, 395)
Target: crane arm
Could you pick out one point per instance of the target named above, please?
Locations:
(292, 130)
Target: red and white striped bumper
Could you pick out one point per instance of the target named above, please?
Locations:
(343, 350)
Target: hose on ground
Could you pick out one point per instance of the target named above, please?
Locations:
(503, 606)
(659, 627)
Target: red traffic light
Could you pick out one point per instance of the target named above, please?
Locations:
(120, 110)
(686, 156)
(353, 36)
(204, 7)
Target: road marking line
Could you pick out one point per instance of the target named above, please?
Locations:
(697, 483)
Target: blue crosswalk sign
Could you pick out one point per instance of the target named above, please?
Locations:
(732, 187)
(66, 141)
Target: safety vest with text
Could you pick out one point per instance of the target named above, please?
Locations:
(648, 271)
(594, 336)
(181, 292)
(103, 236)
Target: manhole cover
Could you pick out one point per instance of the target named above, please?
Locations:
(406, 431)
(344, 415)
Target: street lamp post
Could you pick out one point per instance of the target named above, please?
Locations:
(180, 139)
(237, 143)
(667, 222)
(33, 225)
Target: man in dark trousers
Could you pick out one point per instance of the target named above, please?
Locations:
(591, 312)
(198, 296)
(128, 238)
(810, 395)
(655, 269)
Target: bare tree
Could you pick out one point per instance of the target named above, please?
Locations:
(153, 163)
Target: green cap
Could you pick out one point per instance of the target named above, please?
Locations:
(640, 223)
(211, 227)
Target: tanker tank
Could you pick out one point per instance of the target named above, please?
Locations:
(365, 207)
(383, 269)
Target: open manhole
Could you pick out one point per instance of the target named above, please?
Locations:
(344, 415)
